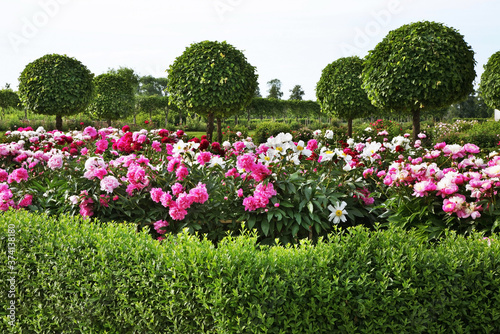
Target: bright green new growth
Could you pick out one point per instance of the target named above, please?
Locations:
(419, 67)
(339, 90)
(212, 79)
(490, 82)
(114, 98)
(56, 85)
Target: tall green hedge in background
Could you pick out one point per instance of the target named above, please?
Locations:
(56, 85)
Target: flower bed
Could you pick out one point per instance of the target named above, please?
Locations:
(286, 189)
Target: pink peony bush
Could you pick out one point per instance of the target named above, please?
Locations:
(284, 189)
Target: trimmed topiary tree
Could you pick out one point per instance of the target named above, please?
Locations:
(419, 67)
(114, 98)
(339, 91)
(490, 82)
(56, 85)
(212, 79)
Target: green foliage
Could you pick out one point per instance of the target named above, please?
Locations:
(80, 276)
(211, 78)
(419, 67)
(9, 99)
(339, 90)
(490, 81)
(56, 85)
(423, 65)
(296, 93)
(473, 107)
(149, 85)
(265, 130)
(114, 97)
(274, 89)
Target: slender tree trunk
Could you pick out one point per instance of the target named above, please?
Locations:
(416, 124)
(349, 128)
(219, 130)
(166, 117)
(25, 114)
(150, 118)
(210, 126)
(248, 117)
(235, 119)
(134, 118)
(109, 122)
(59, 122)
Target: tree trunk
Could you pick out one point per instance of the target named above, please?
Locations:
(109, 122)
(25, 114)
(349, 128)
(150, 118)
(235, 120)
(210, 126)
(248, 117)
(166, 117)
(59, 122)
(416, 124)
(134, 118)
(219, 130)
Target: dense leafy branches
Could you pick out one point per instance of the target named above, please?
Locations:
(418, 67)
(490, 81)
(114, 97)
(56, 85)
(339, 90)
(212, 79)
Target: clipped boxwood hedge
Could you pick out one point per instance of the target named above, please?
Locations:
(77, 277)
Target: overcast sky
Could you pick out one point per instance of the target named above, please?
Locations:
(289, 40)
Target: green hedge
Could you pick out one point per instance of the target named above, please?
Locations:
(77, 277)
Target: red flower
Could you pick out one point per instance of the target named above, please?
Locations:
(126, 128)
(146, 122)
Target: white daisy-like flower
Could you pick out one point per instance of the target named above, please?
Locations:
(338, 213)
(329, 134)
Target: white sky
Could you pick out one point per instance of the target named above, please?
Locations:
(289, 40)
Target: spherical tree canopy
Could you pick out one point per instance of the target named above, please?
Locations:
(56, 85)
(423, 65)
(114, 98)
(211, 78)
(490, 82)
(339, 90)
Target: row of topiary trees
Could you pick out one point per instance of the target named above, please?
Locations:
(416, 68)
(419, 67)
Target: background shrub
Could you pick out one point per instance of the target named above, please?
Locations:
(265, 130)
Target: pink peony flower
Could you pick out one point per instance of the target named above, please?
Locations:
(177, 188)
(159, 225)
(26, 201)
(181, 172)
(3, 175)
(156, 194)
(246, 162)
(176, 213)
(204, 157)
(184, 201)
(18, 175)
(199, 193)
(312, 144)
(156, 145)
(109, 184)
(166, 199)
